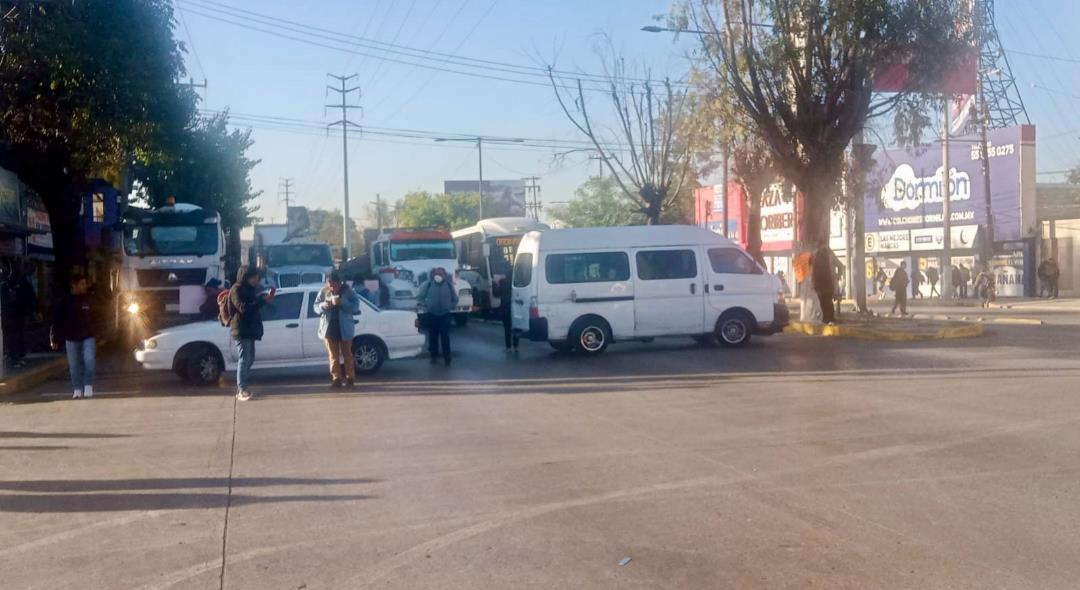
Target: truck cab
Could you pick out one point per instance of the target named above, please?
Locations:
(402, 259)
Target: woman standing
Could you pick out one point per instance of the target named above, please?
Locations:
(336, 305)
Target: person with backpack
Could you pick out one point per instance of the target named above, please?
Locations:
(933, 277)
(985, 286)
(437, 300)
(241, 311)
(899, 284)
(917, 279)
(336, 305)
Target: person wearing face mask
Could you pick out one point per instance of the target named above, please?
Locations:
(437, 299)
(336, 305)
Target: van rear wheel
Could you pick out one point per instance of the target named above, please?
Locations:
(590, 335)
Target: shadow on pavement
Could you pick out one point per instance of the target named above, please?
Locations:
(26, 434)
(114, 485)
(34, 448)
(45, 503)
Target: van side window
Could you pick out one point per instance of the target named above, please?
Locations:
(523, 270)
(732, 261)
(587, 267)
(655, 265)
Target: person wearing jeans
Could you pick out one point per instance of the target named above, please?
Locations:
(245, 323)
(336, 305)
(73, 325)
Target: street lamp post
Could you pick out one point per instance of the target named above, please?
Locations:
(480, 159)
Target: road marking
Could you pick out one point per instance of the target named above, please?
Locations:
(73, 533)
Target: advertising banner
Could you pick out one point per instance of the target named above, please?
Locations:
(777, 217)
(905, 188)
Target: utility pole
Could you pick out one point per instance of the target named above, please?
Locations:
(378, 211)
(946, 222)
(480, 156)
(600, 161)
(345, 124)
(285, 186)
(533, 206)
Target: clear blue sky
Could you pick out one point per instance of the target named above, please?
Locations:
(254, 73)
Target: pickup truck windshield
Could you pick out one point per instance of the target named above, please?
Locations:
(421, 250)
(298, 255)
(171, 240)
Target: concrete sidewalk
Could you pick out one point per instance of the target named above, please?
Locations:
(40, 367)
(888, 329)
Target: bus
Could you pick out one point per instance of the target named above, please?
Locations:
(486, 255)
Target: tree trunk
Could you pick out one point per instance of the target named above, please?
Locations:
(753, 224)
(814, 229)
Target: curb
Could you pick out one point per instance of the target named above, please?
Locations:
(34, 377)
(864, 333)
(979, 319)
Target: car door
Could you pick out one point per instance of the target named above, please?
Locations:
(282, 335)
(735, 280)
(313, 345)
(668, 295)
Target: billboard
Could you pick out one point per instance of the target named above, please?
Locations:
(906, 187)
(504, 198)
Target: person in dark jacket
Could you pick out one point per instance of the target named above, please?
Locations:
(822, 266)
(17, 303)
(933, 277)
(899, 284)
(336, 305)
(917, 279)
(246, 325)
(437, 299)
(75, 324)
(506, 294)
(209, 308)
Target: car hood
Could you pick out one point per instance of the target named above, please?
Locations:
(210, 330)
(299, 269)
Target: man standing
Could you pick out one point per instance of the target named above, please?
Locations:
(245, 323)
(824, 282)
(437, 300)
(916, 283)
(957, 282)
(506, 293)
(336, 304)
(74, 324)
(965, 278)
(1044, 279)
(899, 284)
(1053, 273)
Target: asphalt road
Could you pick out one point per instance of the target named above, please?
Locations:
(793, 463)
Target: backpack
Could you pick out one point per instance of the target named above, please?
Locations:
(226, 311)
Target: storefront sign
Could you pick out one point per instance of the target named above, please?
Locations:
(906, 188)
(888, 241)
(1009, 271)
(933, 238)
(777, 216)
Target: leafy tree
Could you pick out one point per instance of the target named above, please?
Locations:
(803, 72)
(209, 168)
(643, 150)
(326, 227)
(449, 211)
(600, 202)
(1074, 175)
(86, 86)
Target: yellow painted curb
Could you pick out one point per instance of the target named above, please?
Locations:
(867, 333)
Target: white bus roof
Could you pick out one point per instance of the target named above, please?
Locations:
(502, 226)
(635, 236)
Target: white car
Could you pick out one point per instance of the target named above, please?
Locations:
(202, 351)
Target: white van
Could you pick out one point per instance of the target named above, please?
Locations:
(582, 289)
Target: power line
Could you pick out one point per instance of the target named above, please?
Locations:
(1070, 60)
(191, 41)
(319, 35)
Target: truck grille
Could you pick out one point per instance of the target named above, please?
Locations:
(295, 280)
(170, 277)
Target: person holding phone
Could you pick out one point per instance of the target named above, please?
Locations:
(336, 305)
(246, 325)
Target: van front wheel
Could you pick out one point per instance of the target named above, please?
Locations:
(590, 335)
(734, 328)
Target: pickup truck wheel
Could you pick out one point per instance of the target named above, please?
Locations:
(369, 354)
(203, 366)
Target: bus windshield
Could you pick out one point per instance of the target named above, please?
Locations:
(298, 255)
(501, 258)
(171, 240)
(421, 250)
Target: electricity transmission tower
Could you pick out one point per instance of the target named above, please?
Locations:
(533, 205)
(1000, 102)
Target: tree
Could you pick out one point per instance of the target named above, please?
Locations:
(599, 202)
(326, 227)
(1074, 175)
(644, 153)
(209, 168)
(452, 211)
(803, 72)
(86, 87)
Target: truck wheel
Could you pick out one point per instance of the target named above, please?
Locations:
(590, 335)
(461, 319)
(204, 366)
(368, 354)
(734, 328)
